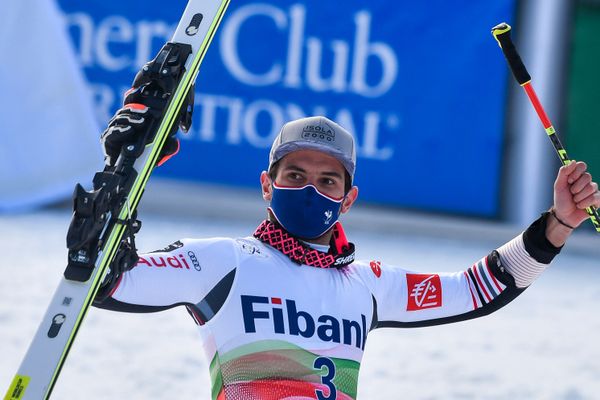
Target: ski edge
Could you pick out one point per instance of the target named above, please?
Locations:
(20, 382)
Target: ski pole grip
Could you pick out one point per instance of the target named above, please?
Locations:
(501, 33)
(594, 217)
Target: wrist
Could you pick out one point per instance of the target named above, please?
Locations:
(557, 231)
(536, 242)
(560, 220)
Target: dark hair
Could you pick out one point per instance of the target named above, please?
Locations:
(347, 180)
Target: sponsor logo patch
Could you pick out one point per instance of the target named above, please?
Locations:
(328, 216)
(177, 261)
(376, 268)
(250, 248)
(344, 260)
(424, 291)
(284, 317)
(173, 246)
(194, 260)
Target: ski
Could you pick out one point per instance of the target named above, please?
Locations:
(103, 216)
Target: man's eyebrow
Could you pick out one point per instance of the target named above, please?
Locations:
(296, 168)
(333, 174)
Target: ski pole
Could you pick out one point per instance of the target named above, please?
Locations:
(501, 33)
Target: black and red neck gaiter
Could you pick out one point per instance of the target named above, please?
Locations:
(340, 254)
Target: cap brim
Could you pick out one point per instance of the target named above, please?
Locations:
(290, 147)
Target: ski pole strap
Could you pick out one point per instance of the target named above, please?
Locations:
(275, 235)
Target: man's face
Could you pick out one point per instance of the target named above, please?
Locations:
(311, 167)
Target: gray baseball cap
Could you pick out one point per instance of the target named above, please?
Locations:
(315, 133)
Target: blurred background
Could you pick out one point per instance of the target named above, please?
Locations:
(452, 162)
(440, 125)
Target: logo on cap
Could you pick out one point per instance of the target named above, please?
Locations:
(324, 132)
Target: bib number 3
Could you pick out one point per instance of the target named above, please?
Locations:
(327, 379)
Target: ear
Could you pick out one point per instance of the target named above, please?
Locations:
(349, 199)
(266, 185)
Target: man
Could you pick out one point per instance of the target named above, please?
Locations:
(285, 313)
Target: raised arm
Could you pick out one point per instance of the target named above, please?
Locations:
(410, 299)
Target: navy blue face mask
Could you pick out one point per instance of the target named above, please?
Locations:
(304, 212)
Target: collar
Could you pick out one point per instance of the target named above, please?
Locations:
(340, 254)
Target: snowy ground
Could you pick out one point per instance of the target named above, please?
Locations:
(541, 346)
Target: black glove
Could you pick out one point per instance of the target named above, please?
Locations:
(137, 122)
(125, 259)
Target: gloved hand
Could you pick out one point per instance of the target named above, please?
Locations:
(125, 259)
(137, 121)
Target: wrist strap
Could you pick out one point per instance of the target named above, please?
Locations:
(553, 212)
(536, 243)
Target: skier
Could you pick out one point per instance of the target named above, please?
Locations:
(285, 312)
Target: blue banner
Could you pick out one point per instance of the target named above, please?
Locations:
(420, 84)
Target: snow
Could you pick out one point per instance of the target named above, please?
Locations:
(541, 346)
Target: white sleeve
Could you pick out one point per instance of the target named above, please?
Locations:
(182, 273)
(411, 299)
(519, 263)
